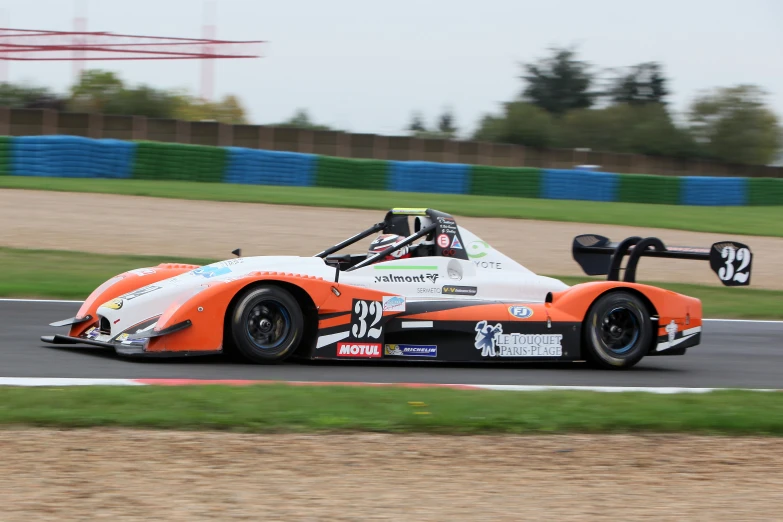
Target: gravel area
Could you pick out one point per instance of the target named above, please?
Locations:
(114, 474)
(141, 225)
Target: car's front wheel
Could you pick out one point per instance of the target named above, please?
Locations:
(266, 324)
(618, 331)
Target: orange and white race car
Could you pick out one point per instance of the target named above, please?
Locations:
(437, 293)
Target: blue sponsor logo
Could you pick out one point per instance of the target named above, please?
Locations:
(411, 350)
(485, 337)
(211, 271)
(394, 303)
(522, 312)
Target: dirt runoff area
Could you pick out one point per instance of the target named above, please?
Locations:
(104, 474)
(140, 225)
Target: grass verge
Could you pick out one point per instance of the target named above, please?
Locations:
(73, 275)
(761, 221)
(281, 407)
(65, 274)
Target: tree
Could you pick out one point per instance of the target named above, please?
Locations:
(103, 91)
(227, 110)
(94, 90)
(624, 127)
(521, 124)
(142, 101)
(446, 124)
(417, 123)
(230, 110)
(559, 83)
(733, 124)
(28, 97)
(301, 120)
(640, 84)
(443, 130)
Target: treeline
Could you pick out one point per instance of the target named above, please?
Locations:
(105, 92)
(565, 103)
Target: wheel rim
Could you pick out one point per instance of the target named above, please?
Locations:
(268, 324)
(619, 329)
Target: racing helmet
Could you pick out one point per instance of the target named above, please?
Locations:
(383, 242)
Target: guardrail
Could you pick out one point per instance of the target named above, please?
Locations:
(73, 156)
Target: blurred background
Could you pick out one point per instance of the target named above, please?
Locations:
(681, 83)
(285, 127)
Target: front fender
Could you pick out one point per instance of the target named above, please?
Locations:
(206, 310)
(122, 284)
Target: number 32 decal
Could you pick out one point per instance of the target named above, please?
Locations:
(367, 314)
(731, 261)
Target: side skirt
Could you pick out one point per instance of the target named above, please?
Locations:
(676, 344)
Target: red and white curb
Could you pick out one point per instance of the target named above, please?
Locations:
(59, 382)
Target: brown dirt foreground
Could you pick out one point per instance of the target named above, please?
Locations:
(140, 225)
(103, 474)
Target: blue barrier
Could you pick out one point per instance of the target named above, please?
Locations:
(268, 167)
(71, 157)
(579, 184)
(424, 176)
(74, 156)
(712, 191)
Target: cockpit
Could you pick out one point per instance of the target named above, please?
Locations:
(434, 233)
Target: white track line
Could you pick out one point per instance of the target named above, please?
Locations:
(616, 389)
(58, 382)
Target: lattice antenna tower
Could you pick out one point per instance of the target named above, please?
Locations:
(81, 45)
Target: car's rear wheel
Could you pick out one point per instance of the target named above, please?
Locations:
(618, 331)
(266, 324)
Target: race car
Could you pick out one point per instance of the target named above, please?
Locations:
(437, 293)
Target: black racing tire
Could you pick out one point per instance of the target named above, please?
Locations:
(617, 331)
(267, 324)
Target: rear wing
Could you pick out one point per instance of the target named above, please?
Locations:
(597, 255)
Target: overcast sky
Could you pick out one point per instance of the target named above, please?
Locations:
(365, 65)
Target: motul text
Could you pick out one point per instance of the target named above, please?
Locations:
(358, 350)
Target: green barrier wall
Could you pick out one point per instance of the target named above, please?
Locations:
(351, 173)
(642, 188)
(765, 191)
(522, 182)
(5, 155)
(71, 156)
(174, 161)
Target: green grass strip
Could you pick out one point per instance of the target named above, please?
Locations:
(752, 220)
(269, 408)
(64, 274)
(73, 275)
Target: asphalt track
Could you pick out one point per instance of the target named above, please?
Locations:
(732, 355)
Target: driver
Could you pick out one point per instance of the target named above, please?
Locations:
(383, 242)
